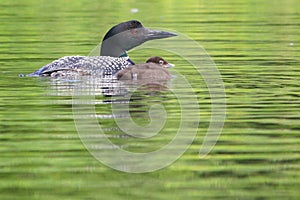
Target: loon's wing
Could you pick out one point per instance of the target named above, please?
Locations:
(63, 63)
(86, 64)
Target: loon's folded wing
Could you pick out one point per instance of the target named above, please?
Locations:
(86, 64)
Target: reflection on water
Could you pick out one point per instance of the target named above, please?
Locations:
(107, 86)
(137, 95)
(159, 124)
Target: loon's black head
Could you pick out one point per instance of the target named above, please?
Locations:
(127, 35)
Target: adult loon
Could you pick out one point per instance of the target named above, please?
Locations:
(113, 57)
(153, 69)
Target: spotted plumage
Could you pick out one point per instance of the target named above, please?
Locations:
(84, 65)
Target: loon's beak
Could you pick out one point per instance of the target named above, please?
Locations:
(155, 34)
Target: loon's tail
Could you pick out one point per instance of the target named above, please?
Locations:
(33, 74)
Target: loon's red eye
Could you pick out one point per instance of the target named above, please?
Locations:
(133, 31)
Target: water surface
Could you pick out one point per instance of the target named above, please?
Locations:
(255, 45)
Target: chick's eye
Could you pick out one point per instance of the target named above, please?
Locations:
(161, 62)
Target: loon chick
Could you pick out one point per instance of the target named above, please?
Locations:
(155, 68)
(113, 57)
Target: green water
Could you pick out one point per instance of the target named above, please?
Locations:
(255, 45)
